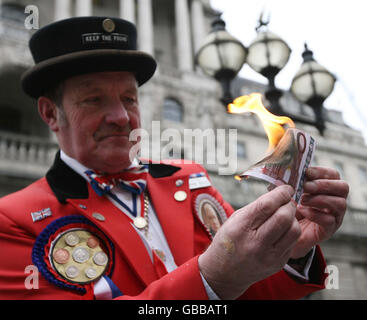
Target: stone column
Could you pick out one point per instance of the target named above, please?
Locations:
(145, 26)
(183, 35)
(198, 24)
(127, 10)
(62, 9)
(83, 8)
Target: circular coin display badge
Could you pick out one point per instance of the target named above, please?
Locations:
(72, 252)
(80, 260)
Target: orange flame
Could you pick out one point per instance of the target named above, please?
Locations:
(272, 124)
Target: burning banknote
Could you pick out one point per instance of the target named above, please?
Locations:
(291, 150)
(288, 162)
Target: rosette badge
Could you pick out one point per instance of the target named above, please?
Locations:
(78, 256)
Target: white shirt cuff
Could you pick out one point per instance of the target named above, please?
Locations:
(211, 294)
(304, 274)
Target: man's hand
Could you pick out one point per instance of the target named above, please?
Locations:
(254, 243)
(322, 208)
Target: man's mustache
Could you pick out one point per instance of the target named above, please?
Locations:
(111, 130)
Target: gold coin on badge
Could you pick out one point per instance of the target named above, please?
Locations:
(108, 25)
(180, 195)
(140, 222)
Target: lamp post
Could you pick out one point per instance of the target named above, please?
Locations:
(312, 84)
(268, 54)
(221, 56)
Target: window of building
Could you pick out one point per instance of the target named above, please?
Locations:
(10, 119)
(362, 172)
(97, 3)
(12, 11)
(314, 162)
(172, 110)
(241, 150)
(106, 8)
(104, 3)
(340, 168)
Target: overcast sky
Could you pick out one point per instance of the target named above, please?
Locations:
(335, 30)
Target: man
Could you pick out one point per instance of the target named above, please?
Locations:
(101, 225)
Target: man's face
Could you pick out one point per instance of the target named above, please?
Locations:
(100, 110)
(210, 217)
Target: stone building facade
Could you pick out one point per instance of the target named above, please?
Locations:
(179, 96)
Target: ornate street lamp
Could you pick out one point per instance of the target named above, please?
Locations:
(268, 54)
(222, 57)
(311, 85)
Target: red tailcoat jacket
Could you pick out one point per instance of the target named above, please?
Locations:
(66, 196)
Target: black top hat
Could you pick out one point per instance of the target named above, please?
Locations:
(83, 45)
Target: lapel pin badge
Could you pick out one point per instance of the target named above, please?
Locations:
(40, 215)
(180, 195)
(108, 25)
(98, 216)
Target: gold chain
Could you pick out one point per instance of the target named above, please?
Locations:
(159, 252)
(142, 222)
(146, 207)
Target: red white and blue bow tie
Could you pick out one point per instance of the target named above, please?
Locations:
(132, 179)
